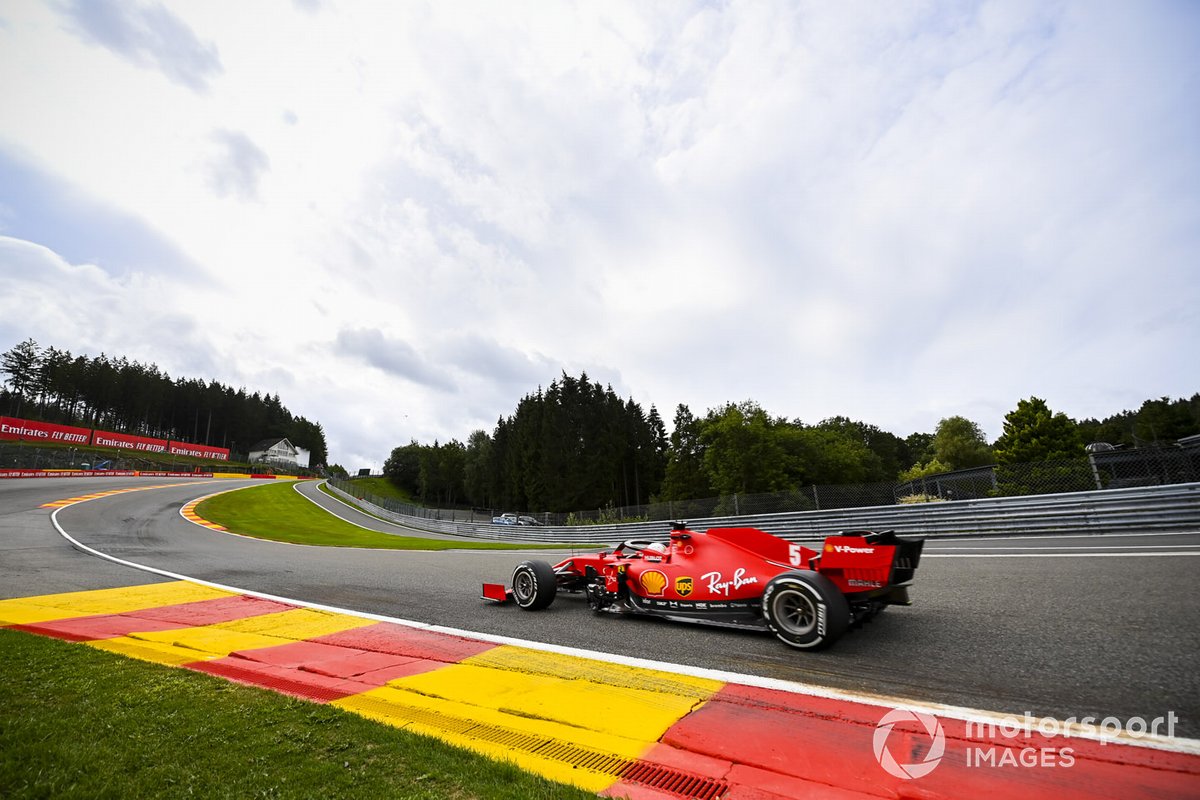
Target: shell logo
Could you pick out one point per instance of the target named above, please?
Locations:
(654, 582)
(828, 548)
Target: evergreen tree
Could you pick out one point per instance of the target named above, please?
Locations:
(685, 478)
(22, 364)
(1032, 432)
(440, 472)
(130, 397)
(1162, 422)
(476, 463)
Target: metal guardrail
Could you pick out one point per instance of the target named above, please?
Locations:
(1143, 509)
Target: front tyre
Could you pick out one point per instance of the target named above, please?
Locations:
(534, 585)
(805, 610)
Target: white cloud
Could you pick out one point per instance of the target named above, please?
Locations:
(393, 356)
(412, 214)
(147, 35)
(81, 307)
(237, 166)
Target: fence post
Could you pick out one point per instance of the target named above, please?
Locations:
(816, 498)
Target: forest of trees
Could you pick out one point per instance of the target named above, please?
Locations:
(576, 445)
(564, 447)
(124, 396)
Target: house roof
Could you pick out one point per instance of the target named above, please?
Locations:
(267, 444)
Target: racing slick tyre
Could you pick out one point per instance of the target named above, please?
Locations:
(534, 585)
(805, 610)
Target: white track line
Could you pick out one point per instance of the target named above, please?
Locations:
(1059, 555)
(1045, 536)
(1083, 547)
(296, 488)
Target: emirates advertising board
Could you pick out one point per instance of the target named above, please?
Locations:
(125, 441)
(32, 431)
(198, 450)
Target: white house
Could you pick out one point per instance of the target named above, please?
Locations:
(278, 451)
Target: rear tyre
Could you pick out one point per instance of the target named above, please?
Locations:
(534, 585)
(805, 610)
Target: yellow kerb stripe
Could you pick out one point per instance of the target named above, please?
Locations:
(568, 718)
(208, 642)
(30, 610)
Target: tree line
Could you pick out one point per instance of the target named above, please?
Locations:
(124, 396)
(575, 445)
(563, 447)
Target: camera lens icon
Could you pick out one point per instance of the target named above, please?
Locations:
(909, 770)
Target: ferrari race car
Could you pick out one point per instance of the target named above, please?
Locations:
(735, 577)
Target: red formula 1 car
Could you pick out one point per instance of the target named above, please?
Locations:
(736, 577)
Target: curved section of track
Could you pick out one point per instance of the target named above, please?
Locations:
(1054, 631)
(355, 516)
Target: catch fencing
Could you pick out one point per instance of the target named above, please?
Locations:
(1173, 507)
(14, 456)
(1112, 470)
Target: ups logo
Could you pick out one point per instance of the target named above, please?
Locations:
(683, 586)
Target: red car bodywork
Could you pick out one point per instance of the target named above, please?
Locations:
(739, 577)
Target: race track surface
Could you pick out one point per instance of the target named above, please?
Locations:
(1062, 627)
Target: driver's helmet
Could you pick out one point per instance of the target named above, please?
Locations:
(658, 547)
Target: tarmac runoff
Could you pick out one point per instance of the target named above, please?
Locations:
(620, 730)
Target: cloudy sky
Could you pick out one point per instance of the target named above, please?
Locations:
(404, 216)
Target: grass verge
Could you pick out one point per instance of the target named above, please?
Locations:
(276, 511)
(382, 487)
(79, 722)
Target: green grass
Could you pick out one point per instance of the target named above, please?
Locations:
(382, 487)
(76, 722)
(276, 511)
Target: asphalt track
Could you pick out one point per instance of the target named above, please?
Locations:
(1056, 627)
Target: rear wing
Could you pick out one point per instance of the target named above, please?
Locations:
(908, 554)
(865, 561)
